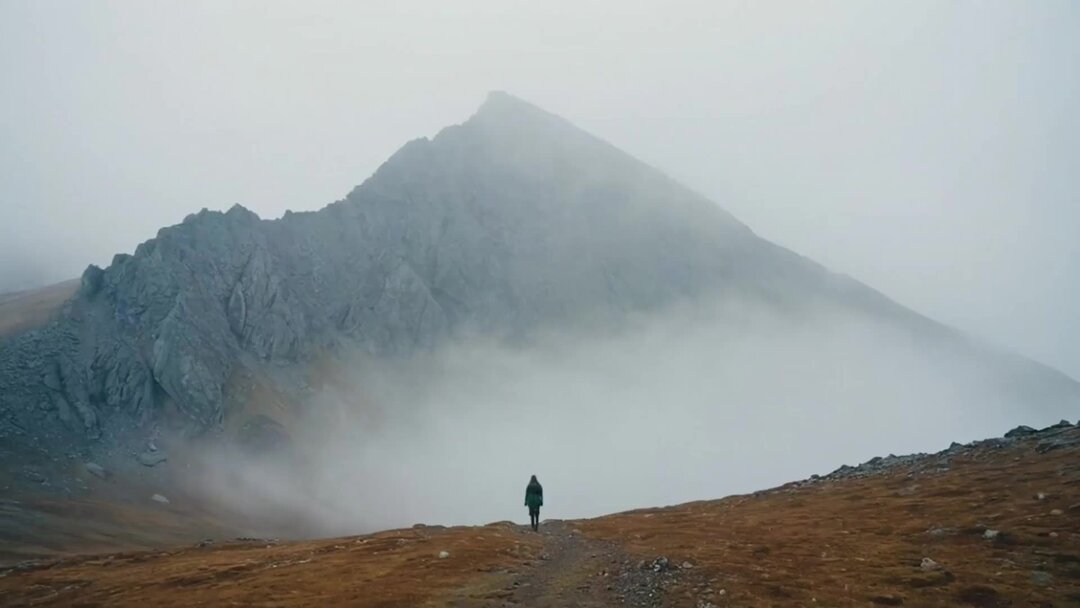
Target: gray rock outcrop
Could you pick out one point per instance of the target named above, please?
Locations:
(509, 221)
(151, 459)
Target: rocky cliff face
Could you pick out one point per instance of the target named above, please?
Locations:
(509, 221)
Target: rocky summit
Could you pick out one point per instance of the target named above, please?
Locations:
(508, 222)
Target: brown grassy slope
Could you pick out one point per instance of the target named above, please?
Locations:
(850, 541)
(394, 568)
(25, 310)
(78, 513)
(859, 541)
(40, 526)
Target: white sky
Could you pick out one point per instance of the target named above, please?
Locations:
(929, 149)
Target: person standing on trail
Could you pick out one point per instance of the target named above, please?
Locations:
(534, 499)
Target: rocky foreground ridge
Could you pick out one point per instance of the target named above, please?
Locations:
(509, 221)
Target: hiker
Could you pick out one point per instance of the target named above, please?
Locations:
(534, 499)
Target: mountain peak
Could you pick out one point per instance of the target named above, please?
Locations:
(513, 222)
(503, 110)
(501, 102)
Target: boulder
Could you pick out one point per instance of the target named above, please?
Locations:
(1020, 431)
(151, 459)
(263, 435)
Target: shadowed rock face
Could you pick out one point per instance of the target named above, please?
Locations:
(510, 221)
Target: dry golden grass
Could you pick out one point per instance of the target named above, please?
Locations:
(849, 542)
(26, 310)
(857, 542)
(43, 526)
(394, 568)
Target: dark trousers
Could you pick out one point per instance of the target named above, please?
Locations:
(534, 519)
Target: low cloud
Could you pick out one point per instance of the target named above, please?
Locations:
(699, 402)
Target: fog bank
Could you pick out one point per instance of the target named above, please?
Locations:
(699, 402)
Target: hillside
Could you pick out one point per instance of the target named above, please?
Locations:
(25, 310)
(993, 523)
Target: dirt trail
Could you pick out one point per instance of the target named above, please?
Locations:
(573, 570)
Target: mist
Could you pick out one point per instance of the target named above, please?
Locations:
(925, 148)
(702, 400)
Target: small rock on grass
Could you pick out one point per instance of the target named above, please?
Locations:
(444, 554)
(929, 565)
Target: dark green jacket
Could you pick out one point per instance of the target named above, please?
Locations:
(534, 496)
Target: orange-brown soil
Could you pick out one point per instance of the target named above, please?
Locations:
(856, 540)
(25, 310)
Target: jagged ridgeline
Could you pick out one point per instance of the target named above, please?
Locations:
(508, 222)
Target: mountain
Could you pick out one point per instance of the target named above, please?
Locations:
(513, 221)
(992, 523)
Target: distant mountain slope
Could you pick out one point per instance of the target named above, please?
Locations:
(508, 222)
(24, 310)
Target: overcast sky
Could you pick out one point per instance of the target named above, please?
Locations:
(931, 149)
